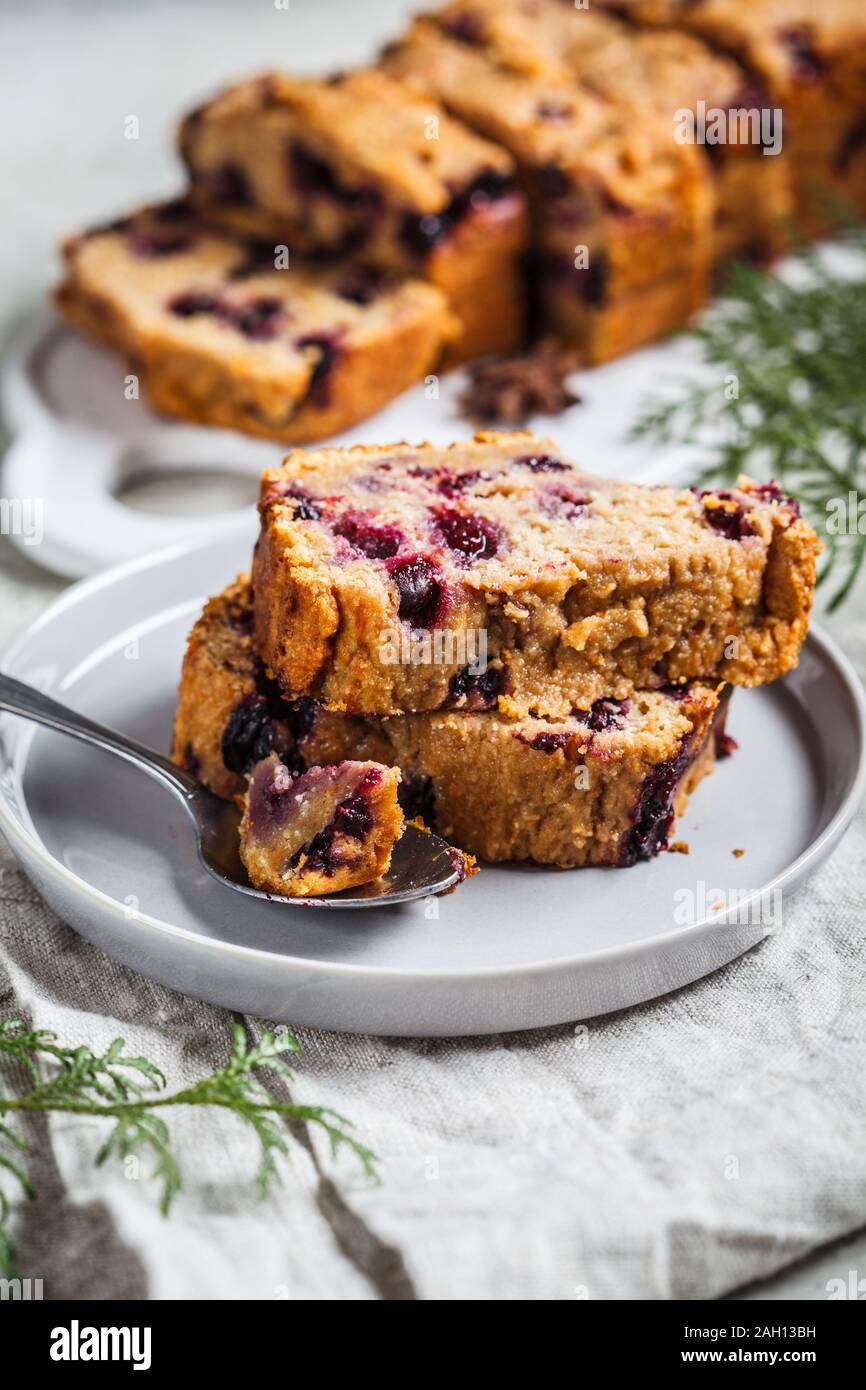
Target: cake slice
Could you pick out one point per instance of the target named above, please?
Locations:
(358, 162)
(222, 337)
(621, 213)
(662, 73)
(811, 57)
(601, 787)
(497, 574)
(319, 831)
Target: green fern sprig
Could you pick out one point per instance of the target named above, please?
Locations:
(128, 1091)
(796, 349)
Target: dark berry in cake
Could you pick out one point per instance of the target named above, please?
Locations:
(373, 539)
(259, 257)
(544, 742)
(417, 797)
(193, 302)
(454, 484)
(561, 502)
(353, 817)
(475, 691)
(312, 175)
(329, 351)
(258, 320)
(772, 492)
(542, 463)
(227, 183)
(470, 537)
(553, 110)
(725, 514)
(248, 736)
(422, 591)
(592, 281)
(605, 714)
(807, 63)
(177, 210)
(152, 246)
(361, 285)
(653, 814)
(464, 27)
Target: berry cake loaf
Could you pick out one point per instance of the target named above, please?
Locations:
(811, 57)
(221, 336)
(601, 787)
(320, 831)
(621, 213)
(381, 573)
(661, 72)
(359, 163)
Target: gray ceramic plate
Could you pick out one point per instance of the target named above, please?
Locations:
(517, 947)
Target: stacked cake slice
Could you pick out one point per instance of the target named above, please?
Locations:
(545, 655)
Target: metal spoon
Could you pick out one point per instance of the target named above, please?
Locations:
(421, 864)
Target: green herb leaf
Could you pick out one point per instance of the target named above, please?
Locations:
(128, 1091)
(788, 400)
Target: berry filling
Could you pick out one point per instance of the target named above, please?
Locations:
(807, 63)
(175, 211)
(417, 797)
(470, 537)
(258, 259)
(464, 27)
(551, 181)
(724, 513)
(422, 591)
(152, 246)
(193, 302)
(312, 176)
(376, 541)
(420, 235)
(248, 737)
(560, 502)
(258, 320)
(475, 691)
(320, 381)
(653, 814)
(544, 742)
(453, 484)
(542, 463)
(771, 492)
(227, 183)
(553, 111)
(353, 817)
(361, 285)
(604, 714)
(305, 509)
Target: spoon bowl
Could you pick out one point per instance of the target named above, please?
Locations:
(422, 864)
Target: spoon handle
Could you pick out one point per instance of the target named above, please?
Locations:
(21, 699)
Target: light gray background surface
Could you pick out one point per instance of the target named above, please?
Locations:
(71, 76)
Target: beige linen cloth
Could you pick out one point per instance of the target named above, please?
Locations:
(678, 1150)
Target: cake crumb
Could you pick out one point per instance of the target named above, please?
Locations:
(679, 847)
(738, 853)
